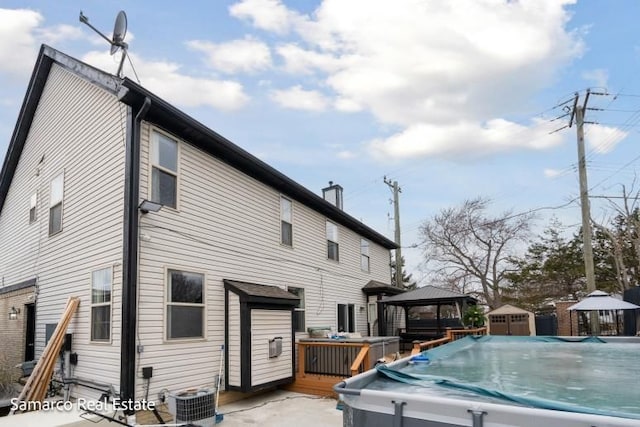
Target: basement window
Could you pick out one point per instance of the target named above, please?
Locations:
(185, 305)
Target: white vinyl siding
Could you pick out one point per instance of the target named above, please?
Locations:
(234, 362)
(266, 325)
(80, 129)
(228, 227)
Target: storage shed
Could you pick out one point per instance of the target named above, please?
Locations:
(510, 320)
(259, 336)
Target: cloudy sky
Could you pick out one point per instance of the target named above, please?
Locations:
(452, 99)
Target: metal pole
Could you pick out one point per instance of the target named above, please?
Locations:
(396, 215)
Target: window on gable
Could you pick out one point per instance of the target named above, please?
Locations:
(364, 255)
(332, 242)
(299, 310)
(56, 196)
(33, 206)
(164, 170)
(101, 288)
(185, 305)
(286, 221)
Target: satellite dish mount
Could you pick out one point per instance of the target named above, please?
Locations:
(117, 40)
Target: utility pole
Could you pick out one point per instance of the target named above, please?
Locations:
(578, 113)
(396, 217)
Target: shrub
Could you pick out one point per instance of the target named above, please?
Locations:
(474, 317)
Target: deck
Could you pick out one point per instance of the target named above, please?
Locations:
(322, 384)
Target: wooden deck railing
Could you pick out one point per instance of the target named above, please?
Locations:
(452, 335)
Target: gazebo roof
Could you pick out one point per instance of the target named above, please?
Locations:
(375, 287)
(598, 300)
(427, 295)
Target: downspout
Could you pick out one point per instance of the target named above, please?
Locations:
(130, 256)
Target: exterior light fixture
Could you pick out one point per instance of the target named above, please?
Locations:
(148, 206)
(13, 313)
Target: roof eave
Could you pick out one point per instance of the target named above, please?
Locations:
(182, 125)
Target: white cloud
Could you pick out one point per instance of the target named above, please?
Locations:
(165, 80)
(438, 69)
(599, 77)
(297, 98)
(553, 173)
(18, 43)
(464, 139)
(602, 139)
(244, 55)
(60, 33)
(270, 15)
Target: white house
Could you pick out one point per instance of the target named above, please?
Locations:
(165, 290)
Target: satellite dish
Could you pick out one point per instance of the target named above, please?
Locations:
(119, 32)
(117, 40)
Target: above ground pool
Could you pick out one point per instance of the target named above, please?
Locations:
(493, 381)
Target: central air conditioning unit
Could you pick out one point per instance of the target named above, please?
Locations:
(196, 407)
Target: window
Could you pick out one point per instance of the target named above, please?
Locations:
(56, 196)
(346, 318)
(33, 204)
(364, 255)
(164, 170)
(298, 311)
(101, 286)
(185, 305)
(332, 241)
(286, 220)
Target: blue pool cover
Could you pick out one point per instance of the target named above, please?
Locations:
(578, 375)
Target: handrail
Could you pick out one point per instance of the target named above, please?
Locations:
(359, 360)
(452, 335)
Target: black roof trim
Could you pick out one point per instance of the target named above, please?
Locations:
(22, 285)
(262, 294)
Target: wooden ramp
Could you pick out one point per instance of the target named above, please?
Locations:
(35, 390)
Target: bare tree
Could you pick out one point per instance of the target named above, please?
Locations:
(624, 237)
(466, 244)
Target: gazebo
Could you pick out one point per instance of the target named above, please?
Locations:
(608, 309)
(428, 312)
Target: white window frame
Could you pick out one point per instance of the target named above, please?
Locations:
(153, 141)
(168, 303)
(56, 200)
(330, 239)
(301, 307)
(102, 304)
(283, 221)
(33, 208)
(365, 259)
